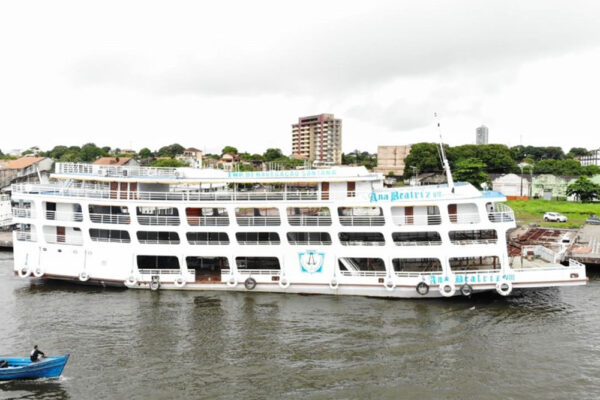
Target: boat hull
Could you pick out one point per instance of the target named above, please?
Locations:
(23, 368)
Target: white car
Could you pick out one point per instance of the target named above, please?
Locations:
(555, 217)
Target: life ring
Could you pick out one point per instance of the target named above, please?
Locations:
(84, 276)
(504, 287)
(232, 281)
(422, 288)
(154, 285)
(466, 289)
(334, 284)
(131, 281)
(284, 282)
(24, 272)
(38, 272)
(447, 289)
(179, 282)
(250, 283)
(389, 284)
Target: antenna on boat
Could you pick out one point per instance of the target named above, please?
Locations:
(445, 163)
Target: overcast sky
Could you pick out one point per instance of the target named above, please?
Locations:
(209, 74)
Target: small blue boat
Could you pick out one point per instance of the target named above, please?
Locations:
(24, 368)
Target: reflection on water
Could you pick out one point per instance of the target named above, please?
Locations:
(142, 344)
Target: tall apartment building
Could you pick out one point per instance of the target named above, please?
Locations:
(318, 138)
(591, 159)
(481, 135)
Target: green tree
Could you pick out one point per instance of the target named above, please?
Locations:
(471, 170)
(424, 156)
(171, 150)
(273, 154)
(229, 149)
(145, 153)
(590, 170)
(577, 152)
(171, 162)
(90, 152)
(584, 189)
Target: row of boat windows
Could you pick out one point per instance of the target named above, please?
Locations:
(345, 264)
(73, 236)
(267, 216)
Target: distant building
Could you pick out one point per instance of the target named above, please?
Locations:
(192, 156)
(391, 159)
(591, 159)
(25, 169)
(318, 138)
(549, 187)
(116, 161)
(512, 186)
(229, 161)
(481, 135)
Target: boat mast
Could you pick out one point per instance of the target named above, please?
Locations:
(443, 154)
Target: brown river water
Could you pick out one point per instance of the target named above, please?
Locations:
(129, 344)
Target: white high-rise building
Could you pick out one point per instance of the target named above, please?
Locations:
(481, 135)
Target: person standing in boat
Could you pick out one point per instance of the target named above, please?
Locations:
(36, 353)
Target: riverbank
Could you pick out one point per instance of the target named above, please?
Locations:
(532, 212)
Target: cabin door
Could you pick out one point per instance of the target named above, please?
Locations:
(409, 215)
(60, 234)
(113, 190)
(324, 190)
(452, 210)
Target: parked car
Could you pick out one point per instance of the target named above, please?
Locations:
(593, 220)
(554, 217)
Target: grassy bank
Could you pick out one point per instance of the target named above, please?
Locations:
(532, 211)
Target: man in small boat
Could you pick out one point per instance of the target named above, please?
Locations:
(36, 353)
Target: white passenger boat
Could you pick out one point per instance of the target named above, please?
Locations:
(324, 231)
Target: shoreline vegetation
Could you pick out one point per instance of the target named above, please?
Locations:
(532, 211)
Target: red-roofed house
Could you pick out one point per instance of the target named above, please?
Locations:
(25, 169)
(192, 156)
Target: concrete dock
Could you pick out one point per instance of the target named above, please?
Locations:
(6, 240)
(587, 249)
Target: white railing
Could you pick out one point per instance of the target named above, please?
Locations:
(64, 239)
(310, 242)
(259, 242)
(456, 270)
(363, 273)
(308, 220)
(504, 216)
(464, 218)
(155, 271)
(354, 220)
(208, 221)
(474, 241)
(243, 271)
(158, 220)
(107, 170)
(22, 212)
(433, 219)
(64, 216)
(416, 274)
(540, 252)
(419, 243)
(258, 221)
(158, 241)
(109, 240)
(110, 218)
(361, 243)
(26, 236)
(208, 242)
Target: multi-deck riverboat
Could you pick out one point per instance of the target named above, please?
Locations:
(321, 231)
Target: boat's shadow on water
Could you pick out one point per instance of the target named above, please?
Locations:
(34, 389)
(38, 286)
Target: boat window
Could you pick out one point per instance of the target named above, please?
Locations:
(157, 215)
(309, 216)
(63, 211)
(207, 269)
(417, 238)
(307, 238)
(257, 263)
(416, 215)
(352, 264)
(207, 238)
(205, 216)
(22, 209)
(403, 265)
(361, 216)
(109, 214)
(361, 238)
(63, 235)
(157, 262)
(257, 216)
(473, 237)
(154, 237)
(474, 263)
(25, 233)
(257, 237)
(108, 235)
(463, 213)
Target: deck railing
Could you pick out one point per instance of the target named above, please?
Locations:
(157, 271)
(310, 242)
(354, 220)
(308, 220)
(244, 271)
(158, 220)
(363, 273)
(208, 221)
(433, 219)
(64, 216)
(361, 243)
(159, 241)
(208, 242)
(23, 212)
(464, 218)
(259, 242)
(258, 221)
(25, 236)
(63, 239)
(419, 243)
(474, 241)
(110, 218)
